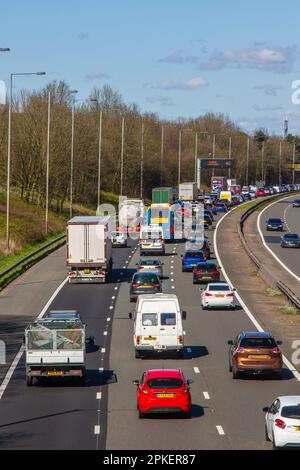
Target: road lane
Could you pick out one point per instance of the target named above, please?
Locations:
(64, 416)
(283, 209)
(235, 405)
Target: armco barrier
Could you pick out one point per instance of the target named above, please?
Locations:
(276, 283)
(33, 257)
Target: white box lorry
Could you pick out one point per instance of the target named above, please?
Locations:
(158, 325)
(55, 347)
(188, 192)
(89, 249)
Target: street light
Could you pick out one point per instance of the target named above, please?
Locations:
(142, 158)
(4, 49)
(9, 151)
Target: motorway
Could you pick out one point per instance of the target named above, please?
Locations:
(291, 216)
(226, 414)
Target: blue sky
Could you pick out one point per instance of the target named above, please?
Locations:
(176, 58)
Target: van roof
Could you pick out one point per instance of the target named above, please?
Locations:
(89, 220)
(158, 297)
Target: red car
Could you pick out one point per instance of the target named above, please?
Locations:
(260, 193)
(163, 391)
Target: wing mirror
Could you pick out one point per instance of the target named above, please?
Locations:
(136, 382)
(130, 315)
(279, 342)
(266, 409)
(189, 382)
(183, 315)
(230, 342)
(90, 340)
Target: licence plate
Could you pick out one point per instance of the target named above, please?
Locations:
(146, 287)
(87, 271)
(150, 339)
(165, 395)
(258, 356)
(297, 428)
(55, 373)
(206, 277)
(220, 296)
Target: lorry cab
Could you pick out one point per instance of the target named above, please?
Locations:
(158, 325)
(151, 240)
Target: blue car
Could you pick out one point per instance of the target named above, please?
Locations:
(221, 207)
(191, 259)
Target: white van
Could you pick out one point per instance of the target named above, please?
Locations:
(158, 325)
(151, 240)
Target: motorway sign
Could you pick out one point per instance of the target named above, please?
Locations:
(216, 163)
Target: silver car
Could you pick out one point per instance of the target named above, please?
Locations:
(151, 264)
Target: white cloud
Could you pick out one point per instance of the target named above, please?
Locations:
(187, 85)
(272, 59)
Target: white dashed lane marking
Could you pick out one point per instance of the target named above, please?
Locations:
(108, 319)
(220, 430)
(99, 396)
(105, 333)
(103, 350)
(196, 370)
(206, 395)
(97, 430)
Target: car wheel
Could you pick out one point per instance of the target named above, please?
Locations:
(230, 367)
(29, 381)
(278, 375)
(235, 374)
(141, 415)
(274, 443)
(137, 354)
(180, 354)
(188, 415)
(266, 434)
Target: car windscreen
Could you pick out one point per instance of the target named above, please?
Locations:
(148, 262)
(145, 278)
(275, 221)
(164, 383)
(149, 319)
(168, 319)
(194, 254)
(258, 343)
(219, 288)
(292, 412)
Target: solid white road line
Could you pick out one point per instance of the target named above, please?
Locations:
(265, 244)
(97, 430)
(99, 396)
(220, 430)
(196, 370)
(108, 319)
(103, 350)
(242, 303)
(206, 395)
(18, 356)
(105, 333)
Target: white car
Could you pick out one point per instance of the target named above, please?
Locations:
(119, 238)
(283, 422)
(218, 295)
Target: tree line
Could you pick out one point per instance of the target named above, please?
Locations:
(29, 146)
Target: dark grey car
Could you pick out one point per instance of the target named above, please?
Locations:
(290, 240)
(275, 224)
(144, 283)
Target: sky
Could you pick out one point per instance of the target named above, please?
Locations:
(175, 58)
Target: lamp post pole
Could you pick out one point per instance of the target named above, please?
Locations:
(142, 159)
(122, 156)
(162, 155)
(47, 163)
(179, 157)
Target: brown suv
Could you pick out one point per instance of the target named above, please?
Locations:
(255, 353)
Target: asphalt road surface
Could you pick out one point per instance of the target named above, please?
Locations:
(226, 414)
(291, 216)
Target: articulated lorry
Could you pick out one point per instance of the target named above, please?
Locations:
(55, 347)
(89, 249)
(187, 192)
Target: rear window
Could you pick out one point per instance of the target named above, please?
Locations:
(258, 343)
(149, 319)
(219, 288)
(207, 267)
(194, 254)
(164, 383)
(291, 412)
(145, 278)
(149, 263)
(168, 319)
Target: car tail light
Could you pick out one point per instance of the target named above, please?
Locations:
(157, 267)
(138, 340)
(215, 273)
(157, 284)
(207, 294)
(230, 295)
(240, 350)
(141, 267)
(276, 350)
(280, 424)
(180, 339)
(72, 273)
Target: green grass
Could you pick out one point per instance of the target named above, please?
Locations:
(273, 293)
(289, 310)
